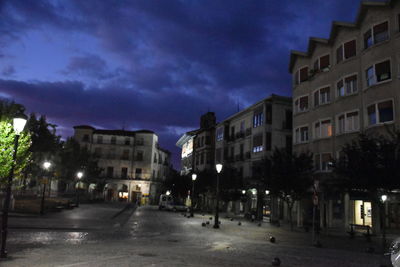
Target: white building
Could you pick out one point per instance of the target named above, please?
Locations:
(133, 164)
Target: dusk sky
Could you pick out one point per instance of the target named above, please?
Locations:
(156, 65)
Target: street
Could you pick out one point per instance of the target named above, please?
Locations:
(115, 235)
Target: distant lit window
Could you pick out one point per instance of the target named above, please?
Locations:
(258, 117)
(323, 129)
(220, 134)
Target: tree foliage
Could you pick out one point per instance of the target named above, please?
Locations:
(371, 163)
(7, 137)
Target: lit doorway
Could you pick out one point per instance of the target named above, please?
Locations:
(363, 212)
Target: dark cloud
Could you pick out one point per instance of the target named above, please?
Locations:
(163, 63)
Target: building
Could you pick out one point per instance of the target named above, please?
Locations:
(133, 164)
(198, 146)
(248, 137)
(344, 85)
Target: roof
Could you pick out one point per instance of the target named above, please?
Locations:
(272, 97)
(185, 137)
(114, 132)
(84, 127)
(313, 41)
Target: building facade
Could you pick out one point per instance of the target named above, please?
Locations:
(342, 86)
(133, 164)
(198, 146)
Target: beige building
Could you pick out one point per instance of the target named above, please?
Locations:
(344, 85)
(249, 136)
(132, 162)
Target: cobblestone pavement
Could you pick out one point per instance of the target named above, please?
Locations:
(102, 235)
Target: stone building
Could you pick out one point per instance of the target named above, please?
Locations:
(344, 85)
(198, 146)
(248, 137)
(132, 162)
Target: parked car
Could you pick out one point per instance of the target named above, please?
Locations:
(394, 252)
(167, 202)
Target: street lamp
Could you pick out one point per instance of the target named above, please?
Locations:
(383, 199)
(79, 176)
(194, 177)
(46, 166)
(218, 167)
(18, 125)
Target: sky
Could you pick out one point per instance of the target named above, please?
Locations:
(153, 64)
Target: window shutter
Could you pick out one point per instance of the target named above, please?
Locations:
(324, 62)
(304, 74)
(350, 49)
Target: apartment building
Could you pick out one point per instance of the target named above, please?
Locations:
(343, 85)
(198, 146)
(133, 164)
(244, 139)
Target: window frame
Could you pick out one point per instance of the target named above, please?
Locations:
(371, 27)
(299, 128)
(320, 128)
(341, 46)
(319, 96)
(343, 78)
(375, 76)
(320, 161)
(298, 98)
(345, 117)
(378, 123)
(297, 74)
(319, 63)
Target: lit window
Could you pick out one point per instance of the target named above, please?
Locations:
(220, 134)
(258, 117)
(258, 143)
(323, 129)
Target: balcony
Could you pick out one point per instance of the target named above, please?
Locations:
(248, 155)
(248, 131)
(239, 135)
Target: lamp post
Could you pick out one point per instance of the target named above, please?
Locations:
(79, 176)
(46, 166)
(194, 176)
(18, 125)
(383, 199)
(218, 167)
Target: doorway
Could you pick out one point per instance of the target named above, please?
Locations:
(363, 212)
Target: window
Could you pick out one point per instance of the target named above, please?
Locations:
(268, 141)
(111, 153)
(348, 122)
(155, 157)
(208, 140)
(322, 96)
(242, 126)
(301, 135)
(347, 86)
(241, 153)
(113, 140)
(97, 151)
(346, 50)
(220, 134)
(110, 171)
(139, 142)
(257, 143)
(268, 114)
(125, 154)
(380, 112)
(378, 73)
(258, 117)
(139, 155)
(208, 158)
(323, 162)
(232, 132)
(124, 173)
(202, 158)
(301, 75)
(321, 63)
(127, 141)
(288, 142)
(323, 129)
(85, 138)
(99, 139)
(376, 34)
(301, 104)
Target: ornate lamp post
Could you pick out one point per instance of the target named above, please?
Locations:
(18, 125)
(79, 176)
(218, 167)
(46, 166)
(194, 177)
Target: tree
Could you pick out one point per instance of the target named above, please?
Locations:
(73, 158)
(7, 137)
(291, 176)
(379, 157)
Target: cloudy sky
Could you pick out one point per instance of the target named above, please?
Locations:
(153, 64)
